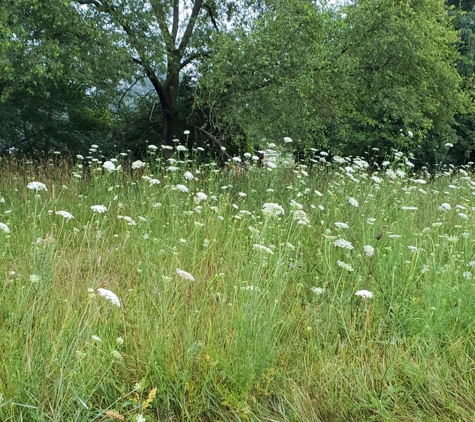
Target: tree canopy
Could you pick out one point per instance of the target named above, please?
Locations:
(340, 77)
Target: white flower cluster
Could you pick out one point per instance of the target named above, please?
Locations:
(271, 209)
(37, 186)
(342, 243)
(110, 296)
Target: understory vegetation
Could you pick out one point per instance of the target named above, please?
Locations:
(176, 291)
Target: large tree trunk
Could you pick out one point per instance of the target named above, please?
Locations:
(170, 88)
(169, 121)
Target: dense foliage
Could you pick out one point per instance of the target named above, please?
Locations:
(345, 77)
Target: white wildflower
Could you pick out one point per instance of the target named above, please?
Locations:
(35, 278)
(400, 173)
(318, 290)
(188, 175)
(419, 181)
(339, 225)
(345, 266)
(185, 275)
(353, 201)
(181, 148)
(138, 165)
(295, 205)
(287, 140)
(4, 227)
(444, 207)
(200, 196)
(262, 248)
(272, 209)
(365, 294)
(37, 186)
(342, 243)
(109, 165)
(368, 250)
(182, 188)
(108, 295)
(116, 354)
(301, 217)
(99, 208)
(65, 214)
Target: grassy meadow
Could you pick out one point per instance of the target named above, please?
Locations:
(333, 292)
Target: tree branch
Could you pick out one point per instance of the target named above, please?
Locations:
(213, 20)
(192, 57)
(94, 2)
(215, 140)
(176, 14)
(125, 93)
(191, 25)
(162, 23)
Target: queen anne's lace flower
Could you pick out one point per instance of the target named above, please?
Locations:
(342, 243)
(368, 250)
(365, 294)
(138, 165)
(99, 208)
(272, 209)
(182, 188)
(37, 186)
(110, 296)
(262, 248)
(65, 214)
(185, 275)
(109, 165)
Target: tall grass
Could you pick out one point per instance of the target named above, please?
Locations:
(271, 328)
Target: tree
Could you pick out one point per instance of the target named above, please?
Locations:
(162, 38)
(51, 94)
(342, 78)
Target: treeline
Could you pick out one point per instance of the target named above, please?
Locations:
(354, 78)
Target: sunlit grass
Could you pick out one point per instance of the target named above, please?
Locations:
(289, 293)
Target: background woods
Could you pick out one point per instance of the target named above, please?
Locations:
(344, 77)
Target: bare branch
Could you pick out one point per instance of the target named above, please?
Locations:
(126, 92)
(213, 20)
(215, 140)
(191, 25)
